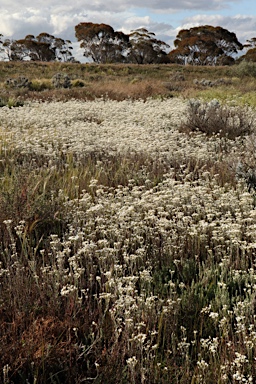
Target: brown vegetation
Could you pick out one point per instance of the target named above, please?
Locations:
(119, 266)
(120, 81)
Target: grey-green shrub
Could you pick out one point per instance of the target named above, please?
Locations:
(60, 80)
(213, 118)
(19, 82)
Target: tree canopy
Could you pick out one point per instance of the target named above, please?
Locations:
(44, 47)
(205, 45)
(104, 45)
(101, 43)
(202, 45)
(145, 48)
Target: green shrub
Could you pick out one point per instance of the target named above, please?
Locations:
(10, 102)
(78, 83)
(39, 85)
(245, 68)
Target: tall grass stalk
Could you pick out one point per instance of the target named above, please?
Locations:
(127, 246)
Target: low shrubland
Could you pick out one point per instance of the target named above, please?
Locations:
(127, 242)
(46, 81)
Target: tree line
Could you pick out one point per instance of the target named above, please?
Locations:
(203, 45)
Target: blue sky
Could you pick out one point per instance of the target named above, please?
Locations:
(163, 17)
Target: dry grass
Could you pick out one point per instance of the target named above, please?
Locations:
(127, 245)
(90, 81)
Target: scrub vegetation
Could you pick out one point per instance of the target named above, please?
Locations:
(127, 224)
(21, 81)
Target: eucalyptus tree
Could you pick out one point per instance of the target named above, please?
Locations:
(44, 47)
(145, 48)
(205, 45)
(101, 43)
(250, 55)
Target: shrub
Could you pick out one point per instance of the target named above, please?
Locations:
(247, 174)
(78, 83)
(211, 83)
(245, 68)
(10, 102)
(61, 80)
(39, 85)
(177, 76)
(213, 118)
(19, 82)
(172, 86)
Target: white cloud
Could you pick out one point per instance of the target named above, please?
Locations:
(119, 5)
(135, 22)
(59, 18)
(243, 26)
(18, 24)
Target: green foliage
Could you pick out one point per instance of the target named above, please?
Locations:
(10, 102)
(244, 69)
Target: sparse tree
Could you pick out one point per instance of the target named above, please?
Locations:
(250, 55)
(250, 43)
(1, 44)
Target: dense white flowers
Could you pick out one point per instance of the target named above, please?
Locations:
(189, 223)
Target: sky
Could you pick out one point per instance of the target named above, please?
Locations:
(163, 17)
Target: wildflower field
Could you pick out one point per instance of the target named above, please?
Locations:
(128, 243)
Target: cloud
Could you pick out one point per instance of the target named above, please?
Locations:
(243, 26)
(18, 24)
(50, 7)
(21, 18)
(59, 18)
(181, 5)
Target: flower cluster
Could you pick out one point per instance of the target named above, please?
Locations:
(164, 267)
